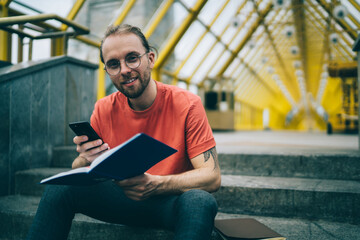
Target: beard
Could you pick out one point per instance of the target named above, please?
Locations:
(135, 91)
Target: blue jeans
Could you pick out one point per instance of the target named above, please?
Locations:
(190, 215)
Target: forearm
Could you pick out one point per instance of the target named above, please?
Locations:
(146, 185)
(195, 179)
(205, 175)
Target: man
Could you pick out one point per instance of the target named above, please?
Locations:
(173, 194)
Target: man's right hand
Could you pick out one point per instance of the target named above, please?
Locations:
(87, 151)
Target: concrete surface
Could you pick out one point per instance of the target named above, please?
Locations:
(19, 217)
(289, 142)
(268, 175)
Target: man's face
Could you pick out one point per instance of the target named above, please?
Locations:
(130, 82)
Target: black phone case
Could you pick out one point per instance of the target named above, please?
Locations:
(84, 128)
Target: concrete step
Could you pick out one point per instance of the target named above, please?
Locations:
(17, 212)
(319, 165)
(63, 156)
(339, 166)
(336, 200)
(27, 181)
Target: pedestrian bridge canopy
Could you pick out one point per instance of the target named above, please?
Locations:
(277, 64)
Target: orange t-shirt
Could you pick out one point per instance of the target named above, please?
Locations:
(176, 118)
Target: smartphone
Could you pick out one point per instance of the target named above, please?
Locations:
(84, 128)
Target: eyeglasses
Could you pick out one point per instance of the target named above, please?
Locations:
(132, 60)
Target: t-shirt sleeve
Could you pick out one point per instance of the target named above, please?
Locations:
(199, 136)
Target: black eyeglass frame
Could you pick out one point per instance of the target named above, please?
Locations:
(126, 63)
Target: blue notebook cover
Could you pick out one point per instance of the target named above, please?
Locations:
(130, 159)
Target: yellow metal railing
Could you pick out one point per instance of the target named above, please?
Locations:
(58, 35)
(6, 24)
(4, 36)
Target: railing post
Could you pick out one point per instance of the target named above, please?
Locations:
(30, 49)
(101, 89)
(20, 46)
(356, 48)
(5, 37)
(57, 46)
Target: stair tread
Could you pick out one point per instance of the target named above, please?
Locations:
(43, 171)
(245, 149)
(66, 147)
(305, 164)
(292, 228)
(334, 200)
(299, 184)
(292, 142)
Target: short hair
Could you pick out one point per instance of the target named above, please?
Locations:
(124, 29)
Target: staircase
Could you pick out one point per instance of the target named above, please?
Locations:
(301, 196)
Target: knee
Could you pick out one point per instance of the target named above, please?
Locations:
(55, 189)
(199, 199)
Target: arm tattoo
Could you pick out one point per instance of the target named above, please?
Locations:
(213, 153)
